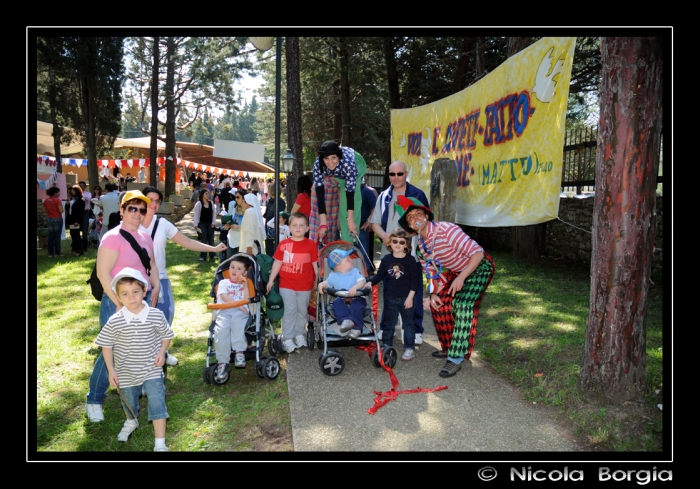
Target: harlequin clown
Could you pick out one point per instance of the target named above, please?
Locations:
(457, 270)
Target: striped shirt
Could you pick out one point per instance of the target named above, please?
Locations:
(135, 340)
(452, 247)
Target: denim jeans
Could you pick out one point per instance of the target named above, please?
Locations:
(99, 379)
(155, 392)
(393, 307)
(166, 304)
(55, 226)
(417, 311)
(206, 237)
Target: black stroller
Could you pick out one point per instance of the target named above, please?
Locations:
(258, 329)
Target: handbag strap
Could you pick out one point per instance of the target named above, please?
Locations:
(153, 233)
(138, 249)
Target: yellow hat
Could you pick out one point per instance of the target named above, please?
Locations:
(135, 194)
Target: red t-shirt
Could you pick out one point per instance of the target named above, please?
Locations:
(51, 204)
(304, 201)
(297, 257)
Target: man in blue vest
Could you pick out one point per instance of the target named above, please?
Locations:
(385, 219)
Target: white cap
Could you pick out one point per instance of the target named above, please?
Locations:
(128, 272)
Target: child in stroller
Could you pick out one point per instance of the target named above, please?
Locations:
(349, 311)
(345, 324)
(230, 323)
(236, 332)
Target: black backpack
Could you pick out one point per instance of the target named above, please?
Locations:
(96, 286)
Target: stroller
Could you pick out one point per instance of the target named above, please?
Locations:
(258, 328)
(94, 233)
(331, 361)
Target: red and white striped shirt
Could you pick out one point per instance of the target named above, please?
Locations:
(448, 244)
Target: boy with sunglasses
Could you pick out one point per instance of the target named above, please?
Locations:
(401, 275)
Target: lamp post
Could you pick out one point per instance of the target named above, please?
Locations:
(262, 44)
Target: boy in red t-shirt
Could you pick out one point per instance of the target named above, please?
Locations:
(296, 262)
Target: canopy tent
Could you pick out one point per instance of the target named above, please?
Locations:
(192, 155)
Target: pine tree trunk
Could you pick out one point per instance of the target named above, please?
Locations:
(170, 121)
(294, 137)
(614, 359)
(153, 152)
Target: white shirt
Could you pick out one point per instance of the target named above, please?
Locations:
(166, 230)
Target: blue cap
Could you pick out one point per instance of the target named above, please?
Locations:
(336, 256)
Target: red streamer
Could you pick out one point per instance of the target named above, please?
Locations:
(390, 395)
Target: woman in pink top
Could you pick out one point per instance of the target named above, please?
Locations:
(114, 254)
(54, 212)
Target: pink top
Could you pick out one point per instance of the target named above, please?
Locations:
(112, 240)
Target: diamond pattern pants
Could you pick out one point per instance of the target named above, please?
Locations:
(455, 321)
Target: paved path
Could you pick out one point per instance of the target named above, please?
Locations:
(479, 411)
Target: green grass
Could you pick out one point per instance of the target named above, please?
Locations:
(532, 331)
(247, 414)
(533, 321)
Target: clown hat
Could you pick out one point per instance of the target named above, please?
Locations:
(404, 205)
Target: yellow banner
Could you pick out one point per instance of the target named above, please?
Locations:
(505, 134)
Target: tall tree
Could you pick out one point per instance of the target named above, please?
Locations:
(294, 137)
(87, 82)
(524, 238)
(631, 103)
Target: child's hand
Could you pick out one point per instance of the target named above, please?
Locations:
(352, 291)
(113, 379)
(160, 359)
(269, 285)
(408, 303)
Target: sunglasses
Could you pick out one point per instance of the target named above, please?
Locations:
(155, 201)
(398, 241)
(133, 209)
(400, 174)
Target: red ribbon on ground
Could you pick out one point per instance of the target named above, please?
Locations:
(384, 397)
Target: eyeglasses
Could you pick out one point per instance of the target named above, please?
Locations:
(133, 209)
(400, 174)
(398, 241)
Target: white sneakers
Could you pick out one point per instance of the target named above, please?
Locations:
(354, 333)
(289, 345)
(129, 427)
(240, 360)
(300, 341)
(94, 412)
(170, 359)
(419, 338)
(408, 355)
(345, 326)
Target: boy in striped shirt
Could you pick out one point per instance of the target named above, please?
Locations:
(135, 339)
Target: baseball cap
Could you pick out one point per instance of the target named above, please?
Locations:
(274, 306)
(134, 194)
(128, 272)
(336, 256)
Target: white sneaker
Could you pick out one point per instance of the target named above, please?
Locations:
(161, 449)
(94, 412)
(129, 427)
(289, 345)
(354, 333)
(346, 325)
(170, 360)
(419, 339)
(300, 340)
(408, 355)
(240, 360)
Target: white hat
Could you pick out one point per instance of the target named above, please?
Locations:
(128, 272)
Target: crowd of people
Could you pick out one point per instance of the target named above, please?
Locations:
(137, 307)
